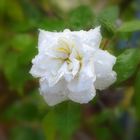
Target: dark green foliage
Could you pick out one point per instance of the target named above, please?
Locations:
(126, 64)
(130, 26)
(81, 18)
(63, 119)
(26, 133)
(137, 94)
(107, 19)
(16, 64)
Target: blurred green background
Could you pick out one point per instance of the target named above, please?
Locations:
(113, 114)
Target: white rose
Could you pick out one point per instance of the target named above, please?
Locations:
(70, 65)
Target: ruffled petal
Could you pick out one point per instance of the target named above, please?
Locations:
(54, 78)
(105, 76)
(81, 87)
(83, 96)
(47, 39)
(44, 66)
(105, 81)
(53, 95)
(72, 70)
(37, 71)
(91, 38)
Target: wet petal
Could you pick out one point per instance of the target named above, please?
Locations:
(92, 37)
(103, 63)
(53, 95)
(83, 96)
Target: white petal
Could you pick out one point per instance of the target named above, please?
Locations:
(38, 69)
(83, 96)
(72, 70)
(75, 64)
(54, 78)
(37, 72)
(92, 37)
(84, 80)
(44, 65)
(105, 81)
(103, 62)
(47, 39)
(53, 95)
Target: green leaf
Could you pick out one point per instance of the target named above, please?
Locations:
(2, 8)
(81, 18)
(130, 26)
(16, 64)
(30, 109)
(111, 14)
(52, 24)
(22, 132)
(107, 20)
(103, 133)
(24, 45)
(49, 126)
(30, 10)
(126, 64)
(3, 54)
(63, 119)
(25, 26)
(137, 94)
(16, 14)
(14, 74)
(107, 28)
